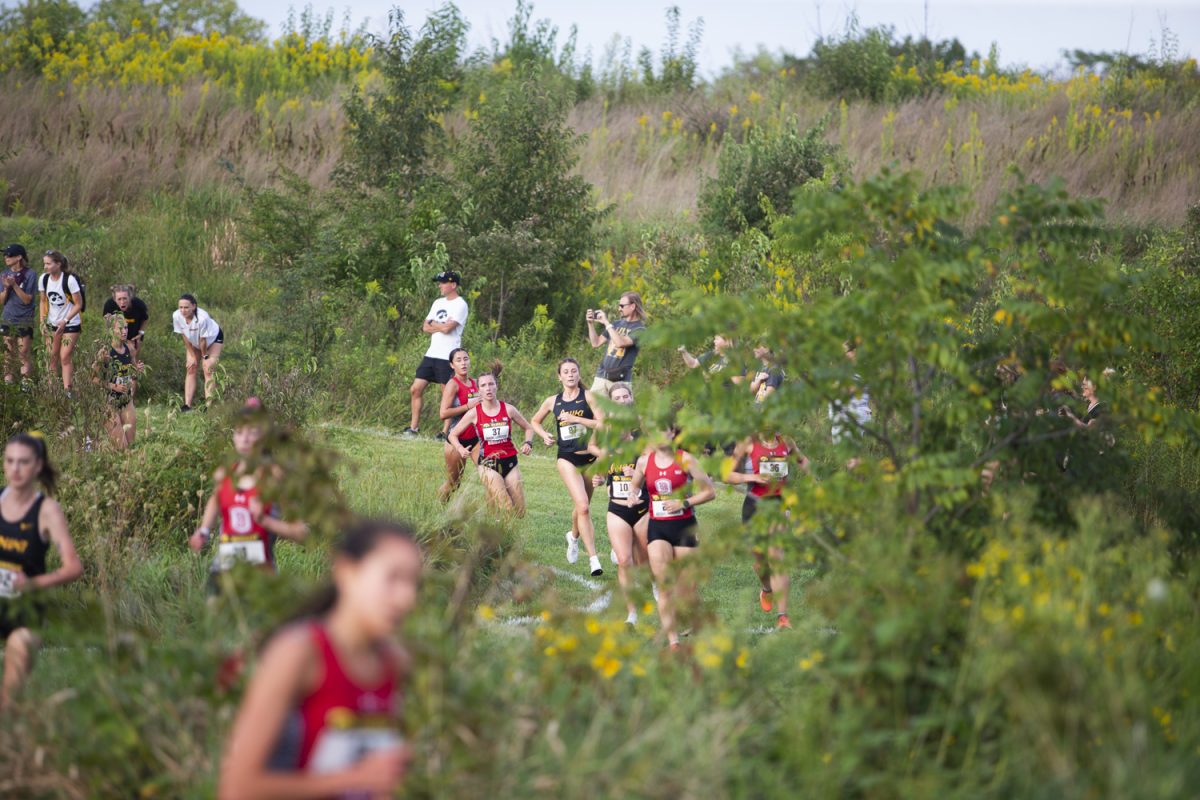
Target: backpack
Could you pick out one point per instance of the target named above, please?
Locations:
(66, 277)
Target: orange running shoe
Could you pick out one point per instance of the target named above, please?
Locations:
(783, 623)
(764, 601)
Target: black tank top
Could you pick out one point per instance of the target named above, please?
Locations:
(120, 368)
(21, 544)
(572, 438)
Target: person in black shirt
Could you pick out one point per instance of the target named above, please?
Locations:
(29, 523)
(576, 416)
(116, 370)
(125, 301)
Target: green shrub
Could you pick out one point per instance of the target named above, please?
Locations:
(756, 178)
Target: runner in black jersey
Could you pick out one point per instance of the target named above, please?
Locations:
(116, 370)
(626, 526)
(29, 523)
(576, 417)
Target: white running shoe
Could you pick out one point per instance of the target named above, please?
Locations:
(631, 619)
(612, 556)
(594, 563)
(572, 548)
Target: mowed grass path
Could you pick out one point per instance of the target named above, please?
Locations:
(383, 474)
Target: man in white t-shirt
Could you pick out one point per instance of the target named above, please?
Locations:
(444, 323)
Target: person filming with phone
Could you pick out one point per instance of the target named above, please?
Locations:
(621, 338)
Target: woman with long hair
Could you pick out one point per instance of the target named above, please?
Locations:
(203, 340)
(30, 523)
(124, 301)
(626, 526)
(576, 416)
(671, 477)
(459, 395)
(321, 715)
(62, 304)
(491, 421)
(115, 369)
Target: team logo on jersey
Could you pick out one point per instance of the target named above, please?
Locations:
(662, 486)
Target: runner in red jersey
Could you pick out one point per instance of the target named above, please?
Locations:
(459, 395)
(248, 524)
(667, 474)
(772, 459)
(492, 422)
(320, 716)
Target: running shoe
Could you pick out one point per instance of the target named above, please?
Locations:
(783, 623)
(764, 601)
(631, 618)
(612, 556)
(572, 548)
(410, 433)
(594, 563)
(183, 409)
(441, 437)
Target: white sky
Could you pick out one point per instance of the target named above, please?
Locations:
(1031, 33)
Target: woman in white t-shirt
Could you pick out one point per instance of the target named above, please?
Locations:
(61, 323)
(203, 339)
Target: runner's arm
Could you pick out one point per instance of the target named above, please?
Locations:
(707, 492)
(635, 482)
(598, 422)
(730, 472)
(535, 425)
(461, 427)
(519, 418)
(447, 410)
(209, 518)
(52, 520)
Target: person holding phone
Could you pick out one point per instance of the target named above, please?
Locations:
(621, 340)
(18, 287)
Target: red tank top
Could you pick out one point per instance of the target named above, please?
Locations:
(770, 461)
(661, 483)
(341, 721)
(495, 432)
(466, 391)
(241, 537)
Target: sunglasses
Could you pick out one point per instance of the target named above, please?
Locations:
(622, 305)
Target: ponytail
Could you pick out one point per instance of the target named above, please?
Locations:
(48, 476)
(494, 370)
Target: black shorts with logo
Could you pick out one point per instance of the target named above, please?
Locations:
(435, 370)
(17, 329)
(675, 532)
(578, 459)
(502, 465)
(630, 516)
(68, 329)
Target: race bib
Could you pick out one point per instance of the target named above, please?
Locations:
(570, 432)
(8, 582)
(776, 469)
(339, 749)
(660, 510)
(496, 432)
(621, 488)
(251, 551)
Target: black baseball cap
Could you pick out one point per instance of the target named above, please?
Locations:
(14, 250)
(449, 276)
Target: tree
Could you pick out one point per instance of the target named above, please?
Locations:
(524, 216)
(395, 131)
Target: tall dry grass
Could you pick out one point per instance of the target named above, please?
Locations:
(79, 147)
(88, 147)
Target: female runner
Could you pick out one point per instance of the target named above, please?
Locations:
(29, 523)
(115, 368)
(626, 526)
(491, 422)
(672, 532)
(770, 457)
(248, 525)
(575, 419)
(320, 716)
(459, 395)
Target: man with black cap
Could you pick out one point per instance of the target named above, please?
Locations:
(444, 323)
(18, 286)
